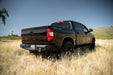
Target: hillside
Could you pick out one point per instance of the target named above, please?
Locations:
(103, 32)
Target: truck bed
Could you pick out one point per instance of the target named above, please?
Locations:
(35, 35)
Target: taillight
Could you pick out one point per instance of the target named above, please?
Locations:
(21, 35)
(50, 34)
(60, 21)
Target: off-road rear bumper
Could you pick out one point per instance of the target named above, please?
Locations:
(39, 48)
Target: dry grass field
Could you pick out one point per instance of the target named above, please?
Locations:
(17, 61)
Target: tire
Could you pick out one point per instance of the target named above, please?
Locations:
(92, 46)
(68, 48)
(31, 51)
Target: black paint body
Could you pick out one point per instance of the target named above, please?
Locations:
(65, 31)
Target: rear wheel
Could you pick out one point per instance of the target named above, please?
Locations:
(68, 48)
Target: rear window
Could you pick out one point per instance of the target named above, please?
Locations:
(65, 25)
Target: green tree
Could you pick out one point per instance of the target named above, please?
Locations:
(3, 14)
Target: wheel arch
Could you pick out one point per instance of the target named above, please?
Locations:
(67, 39)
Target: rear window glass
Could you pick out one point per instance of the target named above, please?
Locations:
(65, 25)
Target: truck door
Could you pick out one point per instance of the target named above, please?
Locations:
(87, 35)
(79, 33)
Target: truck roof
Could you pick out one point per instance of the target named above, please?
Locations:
(67, 21)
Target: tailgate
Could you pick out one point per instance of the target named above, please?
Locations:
(37, 35)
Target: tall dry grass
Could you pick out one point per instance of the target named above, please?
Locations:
(17, 61)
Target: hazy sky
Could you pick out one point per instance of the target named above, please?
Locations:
(32, 13)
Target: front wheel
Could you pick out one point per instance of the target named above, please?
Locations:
(92, 46)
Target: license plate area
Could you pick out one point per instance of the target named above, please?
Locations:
(33, 47)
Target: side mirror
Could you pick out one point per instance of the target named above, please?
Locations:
(90, 30)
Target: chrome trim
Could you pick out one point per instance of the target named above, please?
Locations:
(41, 45)
(28, 46)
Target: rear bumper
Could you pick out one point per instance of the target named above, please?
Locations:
(39, 48)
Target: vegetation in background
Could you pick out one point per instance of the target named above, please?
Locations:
(3, 14)
(104, 32)
(17, 61)
(11, 37)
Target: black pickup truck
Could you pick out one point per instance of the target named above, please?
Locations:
(59, 36)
